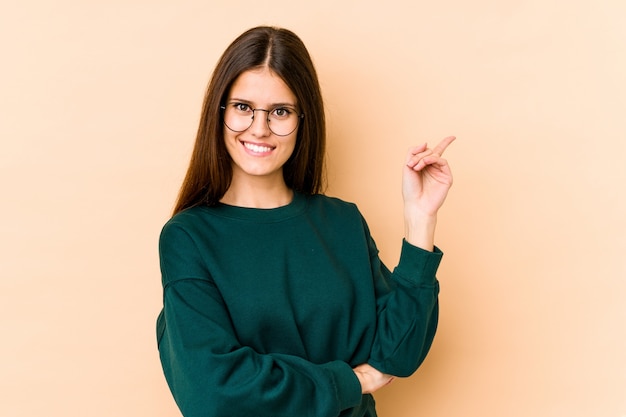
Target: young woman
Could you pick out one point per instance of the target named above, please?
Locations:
(275, 300)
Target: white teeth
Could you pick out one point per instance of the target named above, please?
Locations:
(257, 148)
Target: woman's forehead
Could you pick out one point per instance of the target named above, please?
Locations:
(261, 86)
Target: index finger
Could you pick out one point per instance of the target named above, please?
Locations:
(441, 147)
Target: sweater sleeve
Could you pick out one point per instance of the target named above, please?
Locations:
(407, 309)
(211, 374)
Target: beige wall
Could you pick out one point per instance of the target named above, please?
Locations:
(99, 102)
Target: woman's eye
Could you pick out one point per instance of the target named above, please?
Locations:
(242, 107)
(282, 112)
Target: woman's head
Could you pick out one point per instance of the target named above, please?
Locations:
(283, 53)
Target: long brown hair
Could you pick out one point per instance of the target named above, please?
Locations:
(210, 172)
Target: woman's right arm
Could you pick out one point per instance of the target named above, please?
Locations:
(211, 374)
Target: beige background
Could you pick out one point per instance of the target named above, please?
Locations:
(99, 103)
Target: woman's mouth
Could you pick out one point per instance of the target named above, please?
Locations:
(256, 148)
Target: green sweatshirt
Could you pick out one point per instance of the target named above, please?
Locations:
(266, 311)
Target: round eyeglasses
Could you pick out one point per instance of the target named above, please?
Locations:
(281, 120)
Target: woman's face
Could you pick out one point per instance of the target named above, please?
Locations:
(257, 152)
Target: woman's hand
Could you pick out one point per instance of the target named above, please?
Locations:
(371, 379)
(425, 183)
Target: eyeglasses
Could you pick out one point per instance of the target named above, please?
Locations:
(281, 120)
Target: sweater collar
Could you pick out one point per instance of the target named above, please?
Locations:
(295, 207)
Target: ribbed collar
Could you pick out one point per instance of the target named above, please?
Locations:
(295, 207)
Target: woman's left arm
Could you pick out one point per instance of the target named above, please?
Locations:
(407, 299)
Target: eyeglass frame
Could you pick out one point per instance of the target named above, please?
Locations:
(300, 118)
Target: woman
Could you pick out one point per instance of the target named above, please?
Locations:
(275, 300)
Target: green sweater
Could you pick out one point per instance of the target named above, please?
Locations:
(266, 311)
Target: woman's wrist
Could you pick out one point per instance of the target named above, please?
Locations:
(419, 229)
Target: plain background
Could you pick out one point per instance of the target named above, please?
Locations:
(99, 103)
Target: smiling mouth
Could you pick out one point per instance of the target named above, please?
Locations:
(257, 148)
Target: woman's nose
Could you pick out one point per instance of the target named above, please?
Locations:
(260, 123)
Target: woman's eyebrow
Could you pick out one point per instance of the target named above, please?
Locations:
(271, 106)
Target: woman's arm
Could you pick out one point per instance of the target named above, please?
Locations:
(407, 314)
(407, 299)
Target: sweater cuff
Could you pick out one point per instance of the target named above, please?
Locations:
(346, 384)
(418, 266)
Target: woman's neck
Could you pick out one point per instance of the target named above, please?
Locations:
(259, 195)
